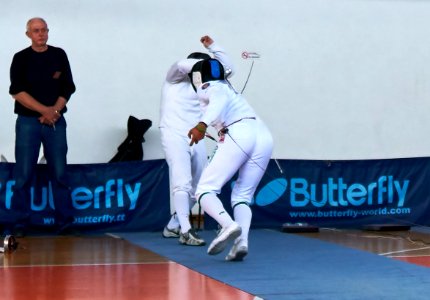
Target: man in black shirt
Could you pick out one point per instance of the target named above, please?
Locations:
(41, 84)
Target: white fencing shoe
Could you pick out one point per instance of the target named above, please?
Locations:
(225, 236)
(238, 251)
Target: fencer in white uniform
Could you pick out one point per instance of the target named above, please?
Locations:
(245, 146)
(179, 111)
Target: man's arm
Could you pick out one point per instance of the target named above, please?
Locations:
(29, 102)
(67, 86)
(49, 114)
(218, 52)
(180, 69)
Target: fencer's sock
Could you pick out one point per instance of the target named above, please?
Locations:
(243, 215)
(173, 222)
(214, 208)
(181, 200)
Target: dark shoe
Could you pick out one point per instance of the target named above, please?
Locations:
(18, 231)
(68, 230)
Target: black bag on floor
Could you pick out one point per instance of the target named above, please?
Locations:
(131, 148)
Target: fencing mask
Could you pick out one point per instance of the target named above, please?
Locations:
(199, 55)
(206, 70)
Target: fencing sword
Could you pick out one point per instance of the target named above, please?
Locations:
(247, 55)
(228, 72)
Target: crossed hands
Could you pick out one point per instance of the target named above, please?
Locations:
(50, 116)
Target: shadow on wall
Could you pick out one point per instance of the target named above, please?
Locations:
(130, 149)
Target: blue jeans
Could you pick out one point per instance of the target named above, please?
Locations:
(30, 135)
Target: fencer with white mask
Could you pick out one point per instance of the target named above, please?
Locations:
(245, 146)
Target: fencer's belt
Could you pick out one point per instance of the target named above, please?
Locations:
(224, 130)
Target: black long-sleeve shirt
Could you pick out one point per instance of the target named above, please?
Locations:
(44, 75)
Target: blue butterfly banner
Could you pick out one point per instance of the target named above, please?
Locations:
(340, 194)
(105, 197)
(134, 196)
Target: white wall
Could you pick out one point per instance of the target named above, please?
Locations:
(337, 79)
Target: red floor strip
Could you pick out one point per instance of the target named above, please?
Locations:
(417, 260)
(121, 281)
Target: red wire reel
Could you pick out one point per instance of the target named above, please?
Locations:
(9, 244)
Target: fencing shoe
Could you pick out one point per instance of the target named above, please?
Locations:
(191, 238)
(171, 233)
(238, 251)
(225, 236)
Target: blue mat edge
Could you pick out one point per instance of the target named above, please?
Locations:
(196, 259)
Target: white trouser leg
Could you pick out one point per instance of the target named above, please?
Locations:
(185, 167)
